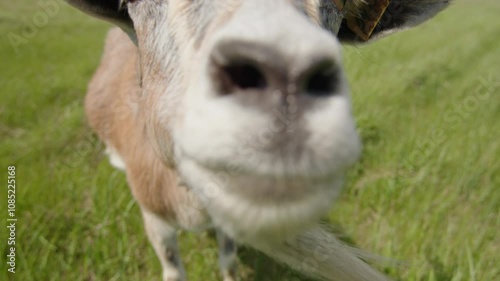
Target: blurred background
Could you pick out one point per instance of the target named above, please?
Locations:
(426, 193)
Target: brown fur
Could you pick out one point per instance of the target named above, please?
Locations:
(113, 112)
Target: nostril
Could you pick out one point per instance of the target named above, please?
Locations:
(237, 66)
(322, 80)
(242, 77)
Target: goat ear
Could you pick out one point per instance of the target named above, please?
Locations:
(114, 11)
(368, 20)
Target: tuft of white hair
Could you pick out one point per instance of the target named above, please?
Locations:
(319, 254)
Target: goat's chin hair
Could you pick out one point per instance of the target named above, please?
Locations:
(317, 253)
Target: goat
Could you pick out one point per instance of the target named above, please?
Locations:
(235, 114)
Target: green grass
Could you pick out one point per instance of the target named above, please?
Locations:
(426, 192)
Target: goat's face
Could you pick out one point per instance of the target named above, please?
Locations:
(249, 100)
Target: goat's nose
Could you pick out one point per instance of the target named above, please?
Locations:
(237, 67)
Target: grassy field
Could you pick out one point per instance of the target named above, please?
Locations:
(426, 192)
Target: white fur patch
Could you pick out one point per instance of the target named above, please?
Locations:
(114, 158)
(246, 219)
